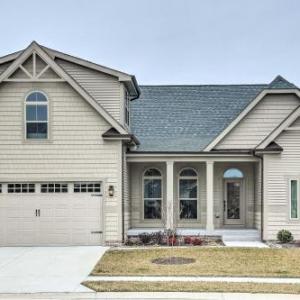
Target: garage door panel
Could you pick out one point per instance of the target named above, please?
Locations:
(65, 218)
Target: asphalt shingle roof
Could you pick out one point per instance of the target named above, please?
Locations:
(188, 117)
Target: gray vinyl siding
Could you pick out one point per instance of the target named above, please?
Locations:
(126, 202)
(4, 66)
(278, 170)
(75, 150)
(258, 195)
(103, 88)
(136, 194)
(296, 123)
(259, 122)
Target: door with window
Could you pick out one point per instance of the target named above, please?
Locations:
(234, 202)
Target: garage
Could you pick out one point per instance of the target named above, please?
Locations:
(51, 213)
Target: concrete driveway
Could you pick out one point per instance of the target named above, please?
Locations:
(46, 269)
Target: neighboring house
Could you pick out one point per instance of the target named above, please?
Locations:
(88, 157)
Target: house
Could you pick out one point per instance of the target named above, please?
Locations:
(87, 156)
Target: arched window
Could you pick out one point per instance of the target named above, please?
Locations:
(233, 173)
(188, 194)
(36, 116)
(152, 194)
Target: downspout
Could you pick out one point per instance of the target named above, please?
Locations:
(261, 158)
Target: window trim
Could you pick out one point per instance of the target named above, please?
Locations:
(87, 183)
(290, 198)
(54, 191)
(143, 194)
(47, 104)
(233, 177)
(193, 199)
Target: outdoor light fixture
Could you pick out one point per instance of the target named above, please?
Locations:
(111, 190)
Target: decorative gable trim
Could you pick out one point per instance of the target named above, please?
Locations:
(283, 126)
(129, 80)
(35, 48)
(241, 116)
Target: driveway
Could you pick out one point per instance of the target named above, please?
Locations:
(46, 269)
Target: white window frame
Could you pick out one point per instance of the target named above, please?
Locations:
(193, 199)
(127, 108)
(149, 199)
(80, 191)
(25, 115)
(290, 198)
(57, 185)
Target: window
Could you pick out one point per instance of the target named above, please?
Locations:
(36, 116)
(54, 188)
(233, 173)
(188, 194)
(87, 187)
(152, 194)
(294, 199)
(20, 188)
(127, 108)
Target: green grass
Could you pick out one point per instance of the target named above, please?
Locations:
(107, 286)
(209, 262)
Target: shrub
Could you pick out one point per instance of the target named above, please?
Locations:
(285, 236)
(197, 242)
(145, 238)
(187, 240)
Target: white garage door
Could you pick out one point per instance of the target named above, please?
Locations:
(50, 214)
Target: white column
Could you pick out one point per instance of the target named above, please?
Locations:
(170, 195)
(209, 197)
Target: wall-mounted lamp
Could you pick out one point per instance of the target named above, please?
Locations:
(111, 190)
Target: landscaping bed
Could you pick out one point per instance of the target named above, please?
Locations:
(109, 286)
(213, 261)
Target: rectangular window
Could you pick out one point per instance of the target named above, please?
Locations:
(188, 198)
(21, 188)
(152, 198)
(87, 187)
(294, 199)
(127, 108)
(54, 188)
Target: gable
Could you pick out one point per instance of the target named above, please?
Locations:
(105, 89)
(34, 68)
(35, 50)
(260, 122)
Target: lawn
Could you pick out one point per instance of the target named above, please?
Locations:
(208, 262)
(107, 286)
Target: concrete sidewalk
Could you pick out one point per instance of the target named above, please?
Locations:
(274, 280)
(147, 296)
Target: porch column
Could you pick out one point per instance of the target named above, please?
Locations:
(170, 195)
(209, 197)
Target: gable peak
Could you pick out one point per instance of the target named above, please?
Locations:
(281, 83)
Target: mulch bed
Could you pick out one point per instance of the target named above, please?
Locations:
(173, 260)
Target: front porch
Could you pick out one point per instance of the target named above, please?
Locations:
(208, 196)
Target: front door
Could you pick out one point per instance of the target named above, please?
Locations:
(234, 202)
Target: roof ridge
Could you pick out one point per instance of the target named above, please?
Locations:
(198, 85)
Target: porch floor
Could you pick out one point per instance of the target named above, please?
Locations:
(229, 236)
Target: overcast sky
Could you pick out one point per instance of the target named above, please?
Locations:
(165, 41)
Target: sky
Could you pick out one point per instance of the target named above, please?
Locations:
(165, 41)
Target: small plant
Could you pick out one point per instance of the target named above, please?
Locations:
(197, 241)
(187, 240)
(285, 236)
(145, 238)
(171, 235)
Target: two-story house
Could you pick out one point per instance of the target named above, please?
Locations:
(87, 156)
